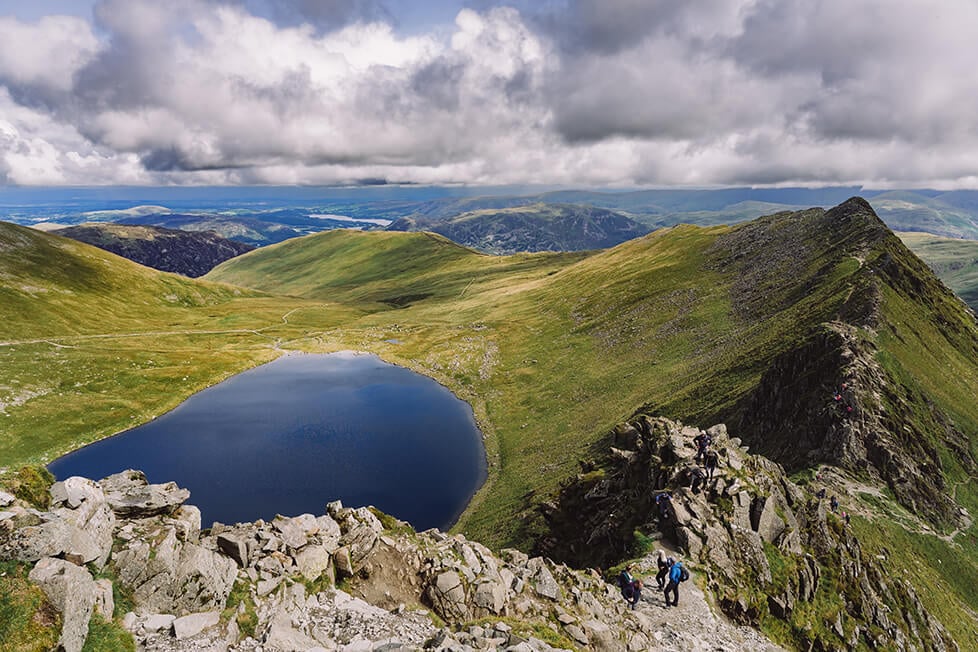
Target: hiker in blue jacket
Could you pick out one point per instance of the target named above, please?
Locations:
(677, 574)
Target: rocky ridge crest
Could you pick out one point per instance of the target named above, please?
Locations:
(770, 549)
(349, 579)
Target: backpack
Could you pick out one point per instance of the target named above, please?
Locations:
(683, 574)
(624, 579)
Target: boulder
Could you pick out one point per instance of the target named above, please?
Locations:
(193, 624)
(72, 592)
(6, 499)
(545, 585)
(447, 596)
(234, 547)
(292, 532)
(312, 561)
(764, 519)
(31, 543)
(157, 622)
(130, 495)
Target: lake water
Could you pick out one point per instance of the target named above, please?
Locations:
(289, 436)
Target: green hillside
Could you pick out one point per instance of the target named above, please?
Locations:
(92, 343)
(954, 261)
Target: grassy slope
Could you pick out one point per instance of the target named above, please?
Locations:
(91, 343)
(954, 261)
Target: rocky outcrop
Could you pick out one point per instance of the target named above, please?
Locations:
(748, 517)
(271, 586)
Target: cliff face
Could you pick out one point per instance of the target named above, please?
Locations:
(772, 551)
(190, 253)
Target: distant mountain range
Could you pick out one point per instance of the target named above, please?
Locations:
(537, 227)
(191, 253)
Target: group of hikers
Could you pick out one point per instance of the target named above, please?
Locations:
(698, 475)
(833, 502)
(671, 574)
(843, 400)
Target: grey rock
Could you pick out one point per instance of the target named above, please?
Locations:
(292, 532)
(72, 592)
(6, 499)
(545, 584)
(34, 542)
(130, 495)
(577, 634)
(344, 565)
(193, 624)
(764, 519)
(104, 600)
(234, 547)
(157, 622)
(312, 561)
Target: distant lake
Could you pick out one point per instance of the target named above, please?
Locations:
(291, 435)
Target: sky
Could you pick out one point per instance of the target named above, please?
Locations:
(580, 93)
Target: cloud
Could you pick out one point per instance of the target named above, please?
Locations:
(582, 92)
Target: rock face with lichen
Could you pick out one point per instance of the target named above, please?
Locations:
(768, 547)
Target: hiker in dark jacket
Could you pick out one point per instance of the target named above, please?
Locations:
(625, 580)
(675, 577)
(697, 476)
(636, 593)
(712, 460)
(702, 442)
(664, 565)
(834, 503)
(664, 501)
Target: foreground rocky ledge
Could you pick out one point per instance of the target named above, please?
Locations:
(349, 579)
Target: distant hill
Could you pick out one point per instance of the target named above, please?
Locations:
(53, 285)
(950, 214)
(190, 253)
(955, 261)
(536, 227)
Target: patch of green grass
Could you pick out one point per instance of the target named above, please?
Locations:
(107, 636)
(28, 622)
(29, 483)
(247, 618)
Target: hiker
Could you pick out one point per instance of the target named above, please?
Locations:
(663, 500)
(845, 515)
(636, 593)
(677, 574)
(664, 565)
(625, 580)
(712, 460)
(702, 441)
(821, 493)
(834, 503)
(697, 476)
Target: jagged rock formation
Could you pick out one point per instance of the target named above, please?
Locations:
(351, 579)
(191, 253)
(768, 547)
